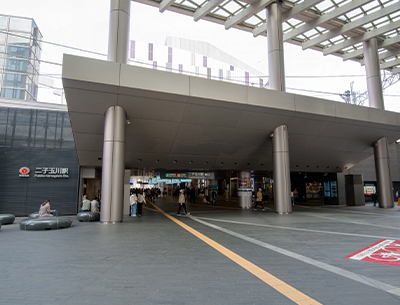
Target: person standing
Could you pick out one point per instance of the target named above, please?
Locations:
(226, 194)
(374, 197)
(214, 197)
(140, 201)
(182, 203)
(133, 201)
(292, 197)
(259, 200)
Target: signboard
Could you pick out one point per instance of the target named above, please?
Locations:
(51, 172)
(24, 172)
(187, 175)
(385, 252)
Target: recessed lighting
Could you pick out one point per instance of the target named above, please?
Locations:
(157, 160)
(191, 162)
(139, 160)
(262, 164)
(222, 163)
(175, 161)
(206, 162)
(235, 163)
(248, 164)
(99, 158)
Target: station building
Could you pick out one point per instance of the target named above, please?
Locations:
(125, 117)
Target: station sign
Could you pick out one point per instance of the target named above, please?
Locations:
(187, 175)
(51, 172)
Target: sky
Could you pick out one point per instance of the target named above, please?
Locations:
(83, 25)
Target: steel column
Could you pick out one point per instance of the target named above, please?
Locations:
(382, 168)
(372, 68)
(280, 155)
(118, 36)
(276, 66)
(112, 184)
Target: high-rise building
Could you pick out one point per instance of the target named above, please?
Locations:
(20, 50)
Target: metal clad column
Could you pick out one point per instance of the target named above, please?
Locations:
(112, 183)
(276, 66)
(113, 169)
(381, 151)
(382, 167)
(372, 68)
(280, 152)
(118, 36)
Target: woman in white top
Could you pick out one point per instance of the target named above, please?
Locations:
(44, 209)
(133, 200)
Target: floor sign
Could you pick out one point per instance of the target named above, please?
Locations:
(383, 252)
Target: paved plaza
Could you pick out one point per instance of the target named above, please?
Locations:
(216, 255)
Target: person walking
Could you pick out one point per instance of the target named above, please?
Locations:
(182, 203)
(214, 197)
(226, 194)
(259, 200)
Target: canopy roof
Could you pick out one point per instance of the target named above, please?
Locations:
(336, 27)
(190, 123)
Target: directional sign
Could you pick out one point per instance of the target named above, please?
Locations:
(383, 252)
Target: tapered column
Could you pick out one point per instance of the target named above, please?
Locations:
(118, 36)
(382, 167)
(245, 190)
(280, 155)
(372, 69)
(112, 184)
(276, 66)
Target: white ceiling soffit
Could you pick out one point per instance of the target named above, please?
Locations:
(185, 122)
(336, 27)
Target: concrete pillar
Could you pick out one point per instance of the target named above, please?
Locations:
(276, 66)
(118, 36)
(112, 184)
(373, 71)
(280, 155)
(244, 190)
(382, 168)
(354, 186)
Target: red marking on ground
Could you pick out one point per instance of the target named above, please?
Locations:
(383, 252)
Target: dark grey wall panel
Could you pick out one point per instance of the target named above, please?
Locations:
(36, 139)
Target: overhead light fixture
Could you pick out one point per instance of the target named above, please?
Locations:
(175, 161)
(139, 160)
(191, 162)
(326, 174)
(128, 122)
(157, 160)
(206, 162)
(397, 141)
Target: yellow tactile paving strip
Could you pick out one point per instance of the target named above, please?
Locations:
(288, 291)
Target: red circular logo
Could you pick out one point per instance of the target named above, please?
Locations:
(24, 170)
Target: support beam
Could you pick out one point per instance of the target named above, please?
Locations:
(351, 25)
(280, 155)
(384, 55)
(390, 64)
(205, 9)
(247, 12)
(396, 71)
(381, 44)
(299, 8)
(368, 35)
(165, 4)
(383, 177)
(324, 18)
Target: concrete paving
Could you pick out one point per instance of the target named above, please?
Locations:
(152, 260)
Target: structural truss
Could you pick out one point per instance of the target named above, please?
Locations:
(332, 27)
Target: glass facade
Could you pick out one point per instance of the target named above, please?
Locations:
(20, 51)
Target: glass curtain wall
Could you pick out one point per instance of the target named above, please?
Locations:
(20, 51)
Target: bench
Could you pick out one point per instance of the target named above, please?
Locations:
(45, 223)
(6, 219)
(88, 216)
